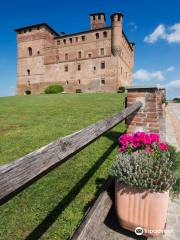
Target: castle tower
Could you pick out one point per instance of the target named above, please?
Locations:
(116, 33)
(97, 20)
(31, 43)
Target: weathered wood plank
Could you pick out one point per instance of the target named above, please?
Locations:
(19, 174)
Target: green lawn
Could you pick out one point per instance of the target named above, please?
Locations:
(52, 207)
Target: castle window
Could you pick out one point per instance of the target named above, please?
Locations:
(28, 72)
(66, 68)
(102, 51)
(121, 70)
(103, 82)
(94, 17)
(105, 34)
(79, 54)
(97, 35)
(79, 67)
(67, 82)
(20, 32)
(38, 52)
(29, 29)
(66, 56)
(83, 38)
(103, 65)
(30, 51)
(58, 42)
(64, 41)
(99, 17)
(94, 68)
(79, 81)
(89, 55)
(70, 40)
(25, 31)
(76, 39)
(38, 28)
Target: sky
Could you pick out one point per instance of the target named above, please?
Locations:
(153, 25)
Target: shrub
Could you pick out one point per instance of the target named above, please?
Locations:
(121, 89)
(141, 169)
(54, 88)
(78, 91)
(176, 100)
(145, 161)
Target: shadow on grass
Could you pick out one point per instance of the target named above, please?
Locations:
(56, 212)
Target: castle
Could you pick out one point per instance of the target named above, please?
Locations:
(97, 60)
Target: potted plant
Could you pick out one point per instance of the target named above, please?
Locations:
(144, 175)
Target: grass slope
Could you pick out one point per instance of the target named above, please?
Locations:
(52, 207)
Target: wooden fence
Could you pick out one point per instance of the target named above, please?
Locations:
(19, 174)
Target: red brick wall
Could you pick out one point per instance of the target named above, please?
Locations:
(151, 116)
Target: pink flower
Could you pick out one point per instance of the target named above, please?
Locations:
(154, 137)
(163, 146)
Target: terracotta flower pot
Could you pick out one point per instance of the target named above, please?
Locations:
(141, 208)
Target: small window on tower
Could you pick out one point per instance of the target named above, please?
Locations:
(97, 35)
(30, 51)
(79, 54)
(79, 81)
(105, 34)
(89, 55)
(94, 17)
(70, 40)
(58, 42)
(79, 67)
(67, 82)
(99, 17)
(28, 72)
(103, 65)
(64, 41)
(29, 29)
(66, 68)
(76, 39)
(83, 38)
(38, 52)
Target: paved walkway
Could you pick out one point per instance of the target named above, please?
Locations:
(173, 124)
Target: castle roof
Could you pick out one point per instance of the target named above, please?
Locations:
(37, 25)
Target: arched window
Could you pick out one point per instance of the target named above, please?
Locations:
(97, 35)
(28, 72)
(79, 67)
(30, 51)
(79, 81)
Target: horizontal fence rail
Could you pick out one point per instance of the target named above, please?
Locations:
(19, 174)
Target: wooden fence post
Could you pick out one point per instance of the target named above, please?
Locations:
(151, 116)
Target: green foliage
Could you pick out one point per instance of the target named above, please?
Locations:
(54, 88)
(164, 101)
(36, 121)
(143, 170)
(121, 89)
(176, 100)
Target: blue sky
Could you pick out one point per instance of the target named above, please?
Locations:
(154, 26)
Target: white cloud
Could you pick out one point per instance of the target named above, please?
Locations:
(132, 26)
(173, 85)
(170, 69)
(145, 75)
(171, 34)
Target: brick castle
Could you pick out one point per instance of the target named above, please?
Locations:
(97, 60)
